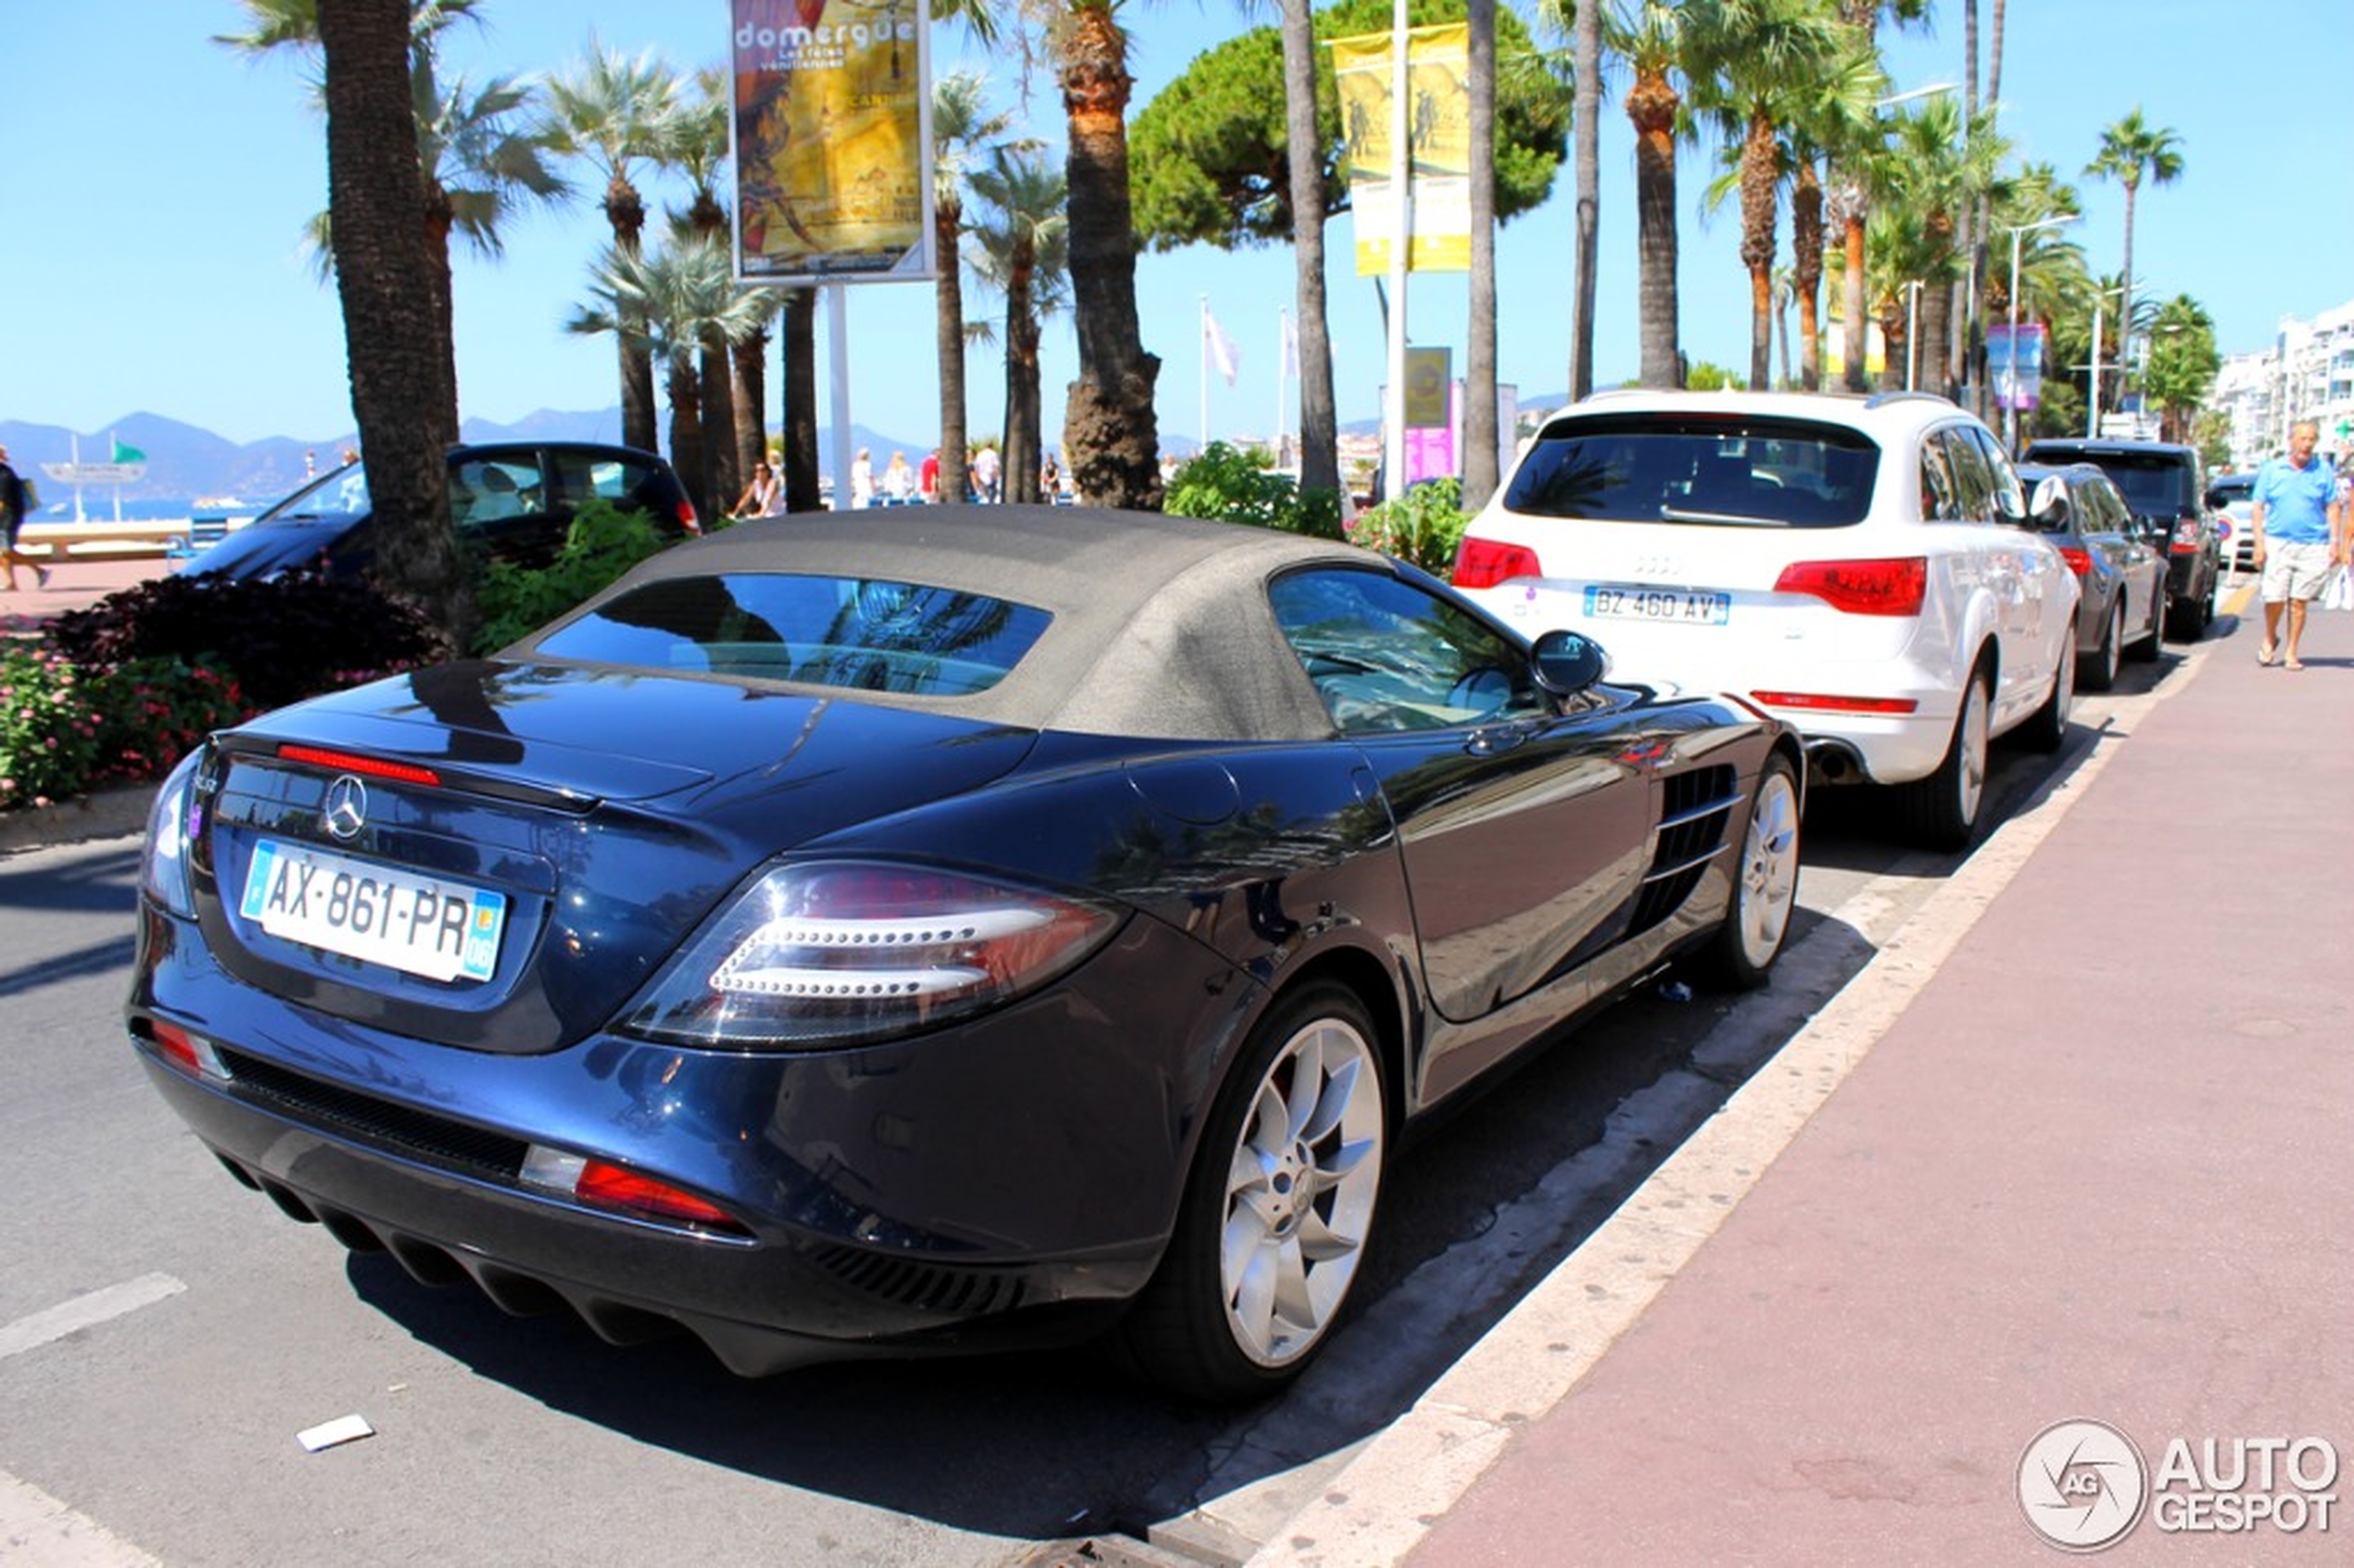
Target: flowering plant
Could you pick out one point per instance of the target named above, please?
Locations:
(49, 733)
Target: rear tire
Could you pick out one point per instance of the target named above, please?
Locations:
(2145, 650)
(2100, 670)
(1765, 885)
(2046, 727)
(1277, 1210)
(2188, 617)
(1941, 812)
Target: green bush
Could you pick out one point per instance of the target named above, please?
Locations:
(604, 542)
(1227, 483)
(48, 734)
(1424, 525)
(279, 638)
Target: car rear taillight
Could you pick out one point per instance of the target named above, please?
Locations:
(2186, 539)
(686, 515)
(352, 762)
(2080, 561)
(602, 1185)
(1484, 563)
(192, 1054)
(1837, 703)
(1861, 588)
(821, 955)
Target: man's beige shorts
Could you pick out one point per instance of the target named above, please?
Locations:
(2294, 571)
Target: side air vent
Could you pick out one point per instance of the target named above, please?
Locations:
(1695, 809)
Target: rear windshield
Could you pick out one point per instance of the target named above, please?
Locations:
(2154, 484)
(1697, 468)
(864, 633)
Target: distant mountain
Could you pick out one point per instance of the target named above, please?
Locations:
(184, 462)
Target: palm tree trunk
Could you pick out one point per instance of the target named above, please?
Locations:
(948, 344)
(1586, 108)
(626, 211)
(1651, 105)
(1480, 458)
(798, 344)
(715, 392)
(441, 313)
(2125, 299)
(750, 396)
(1019, 474)
(686, 429)
(1757, 246)
(376, 207)
(1806, 273)
(1319, 419)
(1110, 436)
(1856, 345)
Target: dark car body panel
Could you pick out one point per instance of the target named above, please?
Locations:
(2163, 485)
(2125, 563)
(1004, 1177)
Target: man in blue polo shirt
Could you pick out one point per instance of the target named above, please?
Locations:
(2300, 534)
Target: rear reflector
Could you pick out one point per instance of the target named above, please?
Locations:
(1861, 588)
(349, 762)
(192, 1054)
(1484, 563)
(1830, 703)
(600, 1185)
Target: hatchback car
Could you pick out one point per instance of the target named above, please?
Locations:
(2120, 612)
(508, 501)
(1862, 566)
(872, 937)
(2162, 483)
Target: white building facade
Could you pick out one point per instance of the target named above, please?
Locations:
(2306, 374)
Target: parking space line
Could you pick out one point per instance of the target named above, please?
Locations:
(85, 1311)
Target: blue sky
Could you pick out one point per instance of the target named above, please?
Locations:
(159, 183)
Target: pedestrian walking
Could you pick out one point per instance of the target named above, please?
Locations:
(13, 507)
(985, 475)
(862, 479)
(927, 478)
(898, 480)
(2298, 517)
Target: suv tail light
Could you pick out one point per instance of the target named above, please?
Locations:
(2080, 561)
(686, 513)
(1484, 563)
(1861, 588)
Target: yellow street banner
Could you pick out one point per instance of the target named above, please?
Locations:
(831, 137)
(1439, 132)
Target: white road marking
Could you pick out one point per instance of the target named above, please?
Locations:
(85, 1311)
(36, 1527)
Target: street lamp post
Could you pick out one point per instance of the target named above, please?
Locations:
(2010, 403)
(2092, 404)
(1912, 332)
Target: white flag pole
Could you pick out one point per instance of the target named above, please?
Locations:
(1401, 165)
(1282, 373)
(1204, 373)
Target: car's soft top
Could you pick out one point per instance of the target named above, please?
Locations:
(1160, 625)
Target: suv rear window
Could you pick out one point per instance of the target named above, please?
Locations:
(2154, 484)
(1697, 468)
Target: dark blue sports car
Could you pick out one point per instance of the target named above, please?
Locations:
(914, 931)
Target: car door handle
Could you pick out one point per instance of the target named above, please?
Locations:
(1489, 740)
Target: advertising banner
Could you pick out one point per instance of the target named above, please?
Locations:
(2015, 368)
(1438, 183)
(831, 132)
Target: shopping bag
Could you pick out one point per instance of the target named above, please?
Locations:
(2337, 590)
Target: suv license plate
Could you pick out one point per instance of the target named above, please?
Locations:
(419, 925)
(1658, 605)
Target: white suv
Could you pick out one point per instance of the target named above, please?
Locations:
(1863, 567)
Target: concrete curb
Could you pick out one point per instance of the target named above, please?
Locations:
(108, 814)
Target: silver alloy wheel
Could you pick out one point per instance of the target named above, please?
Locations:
(1768, 889)
(1969, 777)
(1300, 1192)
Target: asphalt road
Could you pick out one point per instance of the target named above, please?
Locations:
(165, 1334)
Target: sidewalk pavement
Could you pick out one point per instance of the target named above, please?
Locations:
(2075, 1148)
(75, 583)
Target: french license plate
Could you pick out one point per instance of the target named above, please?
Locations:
(1658, 605)
(416, 924)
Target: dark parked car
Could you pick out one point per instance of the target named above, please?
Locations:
(2120, 611)
(510, 501)
(2232, 496)
(2164, 485)
(872, 937)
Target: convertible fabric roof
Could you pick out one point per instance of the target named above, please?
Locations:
(1161, 627)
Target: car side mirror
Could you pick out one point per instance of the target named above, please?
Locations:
(2049, 509)
(1567, 663)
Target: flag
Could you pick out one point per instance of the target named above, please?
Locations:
(127, 454)
(1221, 347)
(1291, 347)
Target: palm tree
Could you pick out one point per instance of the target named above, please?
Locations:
(1480, 458)
(1319, 419)
(1934, 173)
(398, 372)
(1651, 41)
(1839, 110)
(961, 123)
(609, 112)
(685, 300)
(1854, 156)
(1752, 63)
(2131, 150)
(694, 141)
(1111, 437)
(1022, 247)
